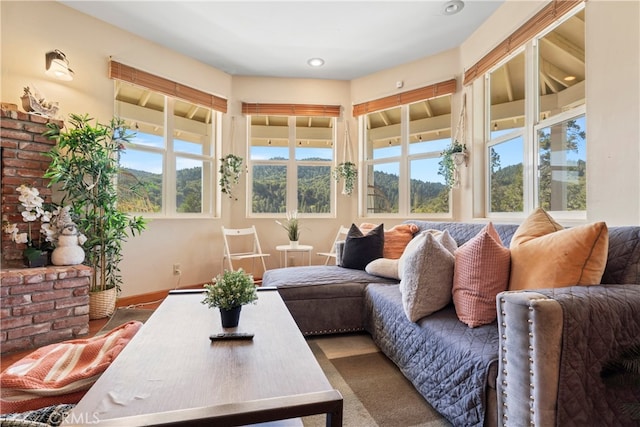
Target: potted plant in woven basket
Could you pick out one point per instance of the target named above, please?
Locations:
(84, 164)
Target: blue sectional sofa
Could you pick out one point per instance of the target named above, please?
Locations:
(546, 347)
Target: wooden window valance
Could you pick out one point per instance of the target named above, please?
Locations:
(168, 87)
(421, 94)
(291, 109)
(547, 16)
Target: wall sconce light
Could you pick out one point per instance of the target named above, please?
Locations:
(57, 65)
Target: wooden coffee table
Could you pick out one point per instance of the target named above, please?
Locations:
(171, 373)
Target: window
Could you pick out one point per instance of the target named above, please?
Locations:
(536, 124)
(506, 135)
(402, 147)
(168, 169)
(290, 161)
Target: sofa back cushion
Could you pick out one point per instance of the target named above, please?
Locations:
(465, 231)
(623, 263)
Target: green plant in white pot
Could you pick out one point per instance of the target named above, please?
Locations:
(349, 172)
(230, 170)
(452, 157)
(292, 226)
(229, 292)
(84, 166)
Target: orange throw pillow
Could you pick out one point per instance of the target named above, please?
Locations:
(544, 255)
(395, 239)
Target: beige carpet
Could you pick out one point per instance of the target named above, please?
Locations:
(124, 315)
(375, 392)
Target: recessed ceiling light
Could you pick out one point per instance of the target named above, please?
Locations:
(316, 62)
(452, 7)
(569, 78)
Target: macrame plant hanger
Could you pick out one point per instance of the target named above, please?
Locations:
(347, 153)
(347, 170)
(230, 167)
(460, 158)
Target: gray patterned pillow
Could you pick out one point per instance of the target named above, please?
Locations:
(427, 277)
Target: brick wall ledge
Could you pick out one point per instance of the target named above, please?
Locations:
(43, 305)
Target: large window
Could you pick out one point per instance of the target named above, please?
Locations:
(290, 160)
(536, 124)
(168, 169)
(402, 147)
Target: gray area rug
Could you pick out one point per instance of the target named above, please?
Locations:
(124, 315)
(375, 392)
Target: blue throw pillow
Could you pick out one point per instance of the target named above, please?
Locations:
(360, 249)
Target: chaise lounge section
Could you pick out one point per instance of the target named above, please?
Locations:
(518, 370)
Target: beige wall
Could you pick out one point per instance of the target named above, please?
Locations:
(612, 127)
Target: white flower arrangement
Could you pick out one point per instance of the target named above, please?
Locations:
(52, 221)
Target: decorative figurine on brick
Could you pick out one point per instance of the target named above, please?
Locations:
(68, 249)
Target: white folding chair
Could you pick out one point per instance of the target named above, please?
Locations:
(242, 244)
(341, 235)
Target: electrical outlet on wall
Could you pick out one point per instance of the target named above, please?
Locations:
(176, 269)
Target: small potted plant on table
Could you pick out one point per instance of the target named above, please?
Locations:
(292, 226)
(229, 292)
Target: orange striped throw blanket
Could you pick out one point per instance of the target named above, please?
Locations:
(62, 372)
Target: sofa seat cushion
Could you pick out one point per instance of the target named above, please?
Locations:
(449, 363)
(323, 299)
(310, 282)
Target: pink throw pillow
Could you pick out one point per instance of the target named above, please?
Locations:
(481, 272)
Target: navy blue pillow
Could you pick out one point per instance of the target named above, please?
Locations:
(360, 249)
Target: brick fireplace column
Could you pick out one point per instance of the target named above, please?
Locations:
(38, 306)
(23, 162)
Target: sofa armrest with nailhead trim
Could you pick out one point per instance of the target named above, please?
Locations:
(554, 344)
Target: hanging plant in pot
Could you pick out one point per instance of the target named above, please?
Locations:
(230, 170)
(452, 158)
(229, 292)
(349, 172)
(84, 164)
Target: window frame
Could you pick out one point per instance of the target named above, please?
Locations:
(211, 196)
(529, 131)
(291, 169)
(404, 160)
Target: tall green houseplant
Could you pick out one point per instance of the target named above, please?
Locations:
(84, 164)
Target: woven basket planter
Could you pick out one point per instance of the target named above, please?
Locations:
(102, 303)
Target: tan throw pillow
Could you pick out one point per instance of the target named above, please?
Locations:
(441, 236)
(383, 267)
(481, 272)
(543, 256)
(427, 278)
(395, 239)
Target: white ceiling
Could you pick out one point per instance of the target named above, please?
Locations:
(276, 38)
